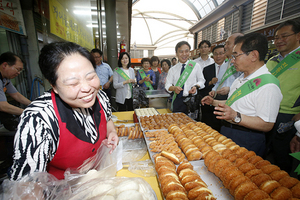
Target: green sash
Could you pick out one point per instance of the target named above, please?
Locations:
(147, 83)
(286, 63)
(231, 70)
(183, 77)
(123, 75)
(251, 86)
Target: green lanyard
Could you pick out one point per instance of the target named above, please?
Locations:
(123, 75)
(231, 70)
(183, 77)
(286, 63)
(251, 86)
(147, 83)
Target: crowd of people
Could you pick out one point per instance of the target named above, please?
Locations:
(245, 98)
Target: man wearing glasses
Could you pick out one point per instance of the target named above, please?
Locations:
(286, 67)
(254, 97)
(10, 67)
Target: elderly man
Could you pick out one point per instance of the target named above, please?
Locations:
(227, 72)
(184, 78)
(10, 67)
(286, 67)
(254, 97)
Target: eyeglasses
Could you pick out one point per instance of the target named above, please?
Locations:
(218, 54)
(283, 37)
(235, 56)
(19, 70)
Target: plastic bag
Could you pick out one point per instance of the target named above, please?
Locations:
(42, 185)
(142, 168)
(133, 150)
(38, 185)
(118, 188)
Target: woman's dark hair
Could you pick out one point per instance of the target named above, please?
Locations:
(145, 60)
(253, 41)
(54, 53)
(120, 58)
(153, 59)
(166, 61)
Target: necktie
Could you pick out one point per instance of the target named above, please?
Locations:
(218, 70)
(181, 93)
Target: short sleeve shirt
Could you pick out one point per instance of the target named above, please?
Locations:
(104, 72)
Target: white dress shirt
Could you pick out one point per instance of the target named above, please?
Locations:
(204, 63)
(263, 102)
(195, 78)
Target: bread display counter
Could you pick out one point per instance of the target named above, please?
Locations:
(157, 98)
(225, 170)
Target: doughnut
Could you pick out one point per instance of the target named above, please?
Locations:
(206, 196)
(164, 163)
(254, 159)
(209, 155)
(226, 153)
(185, 172)
(206, 148)
(195, 192)
(190, 178)
(232, 157)
(235, 182)
(296, 190)
(249, 154)
(185, 164)
(230, 175)
(253, 172)
(262, 163)
(194, 155)
(281, 193)
(277, 175)
(226, 141)
(212, 162)
(241, 151)
(220, 165)
(256, 195)
(260, 178)
(176, 194)
(246, 167)
(232, 146)
(161, 158)
(269, 186)
(288, 182)
(165, 169)
(171, 186)
(268, 169)
(166, 175)
(222, 138)
(239, 161)
(243, 189)
(190, 185)
(170, 156)
(169, 179)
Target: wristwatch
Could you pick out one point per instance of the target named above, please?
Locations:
(238, 118)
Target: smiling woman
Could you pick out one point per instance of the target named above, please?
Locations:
(66, 125)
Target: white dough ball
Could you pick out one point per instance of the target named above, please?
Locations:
(127, 185)
(130, 195)
(104, 189)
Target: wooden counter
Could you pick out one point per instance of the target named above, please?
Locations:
(125, 172)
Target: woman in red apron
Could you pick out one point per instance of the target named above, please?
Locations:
(66, 125)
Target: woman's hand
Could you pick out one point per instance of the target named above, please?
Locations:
(112, 138)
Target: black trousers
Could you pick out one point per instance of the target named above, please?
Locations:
(127, 106)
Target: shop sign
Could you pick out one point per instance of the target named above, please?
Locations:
(65, 26)
(11, 17)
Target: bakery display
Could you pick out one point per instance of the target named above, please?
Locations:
(132, 132)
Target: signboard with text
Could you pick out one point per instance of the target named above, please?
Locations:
(65, 26)
(11, 17)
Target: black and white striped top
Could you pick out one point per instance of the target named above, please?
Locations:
(36, 139)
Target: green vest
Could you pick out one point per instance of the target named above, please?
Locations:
(289, 85)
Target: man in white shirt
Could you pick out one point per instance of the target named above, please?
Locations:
(195, 79)
(254, 97)
(204, 59)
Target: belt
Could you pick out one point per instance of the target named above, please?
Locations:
(238, 127)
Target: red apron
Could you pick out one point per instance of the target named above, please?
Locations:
(71, 151)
